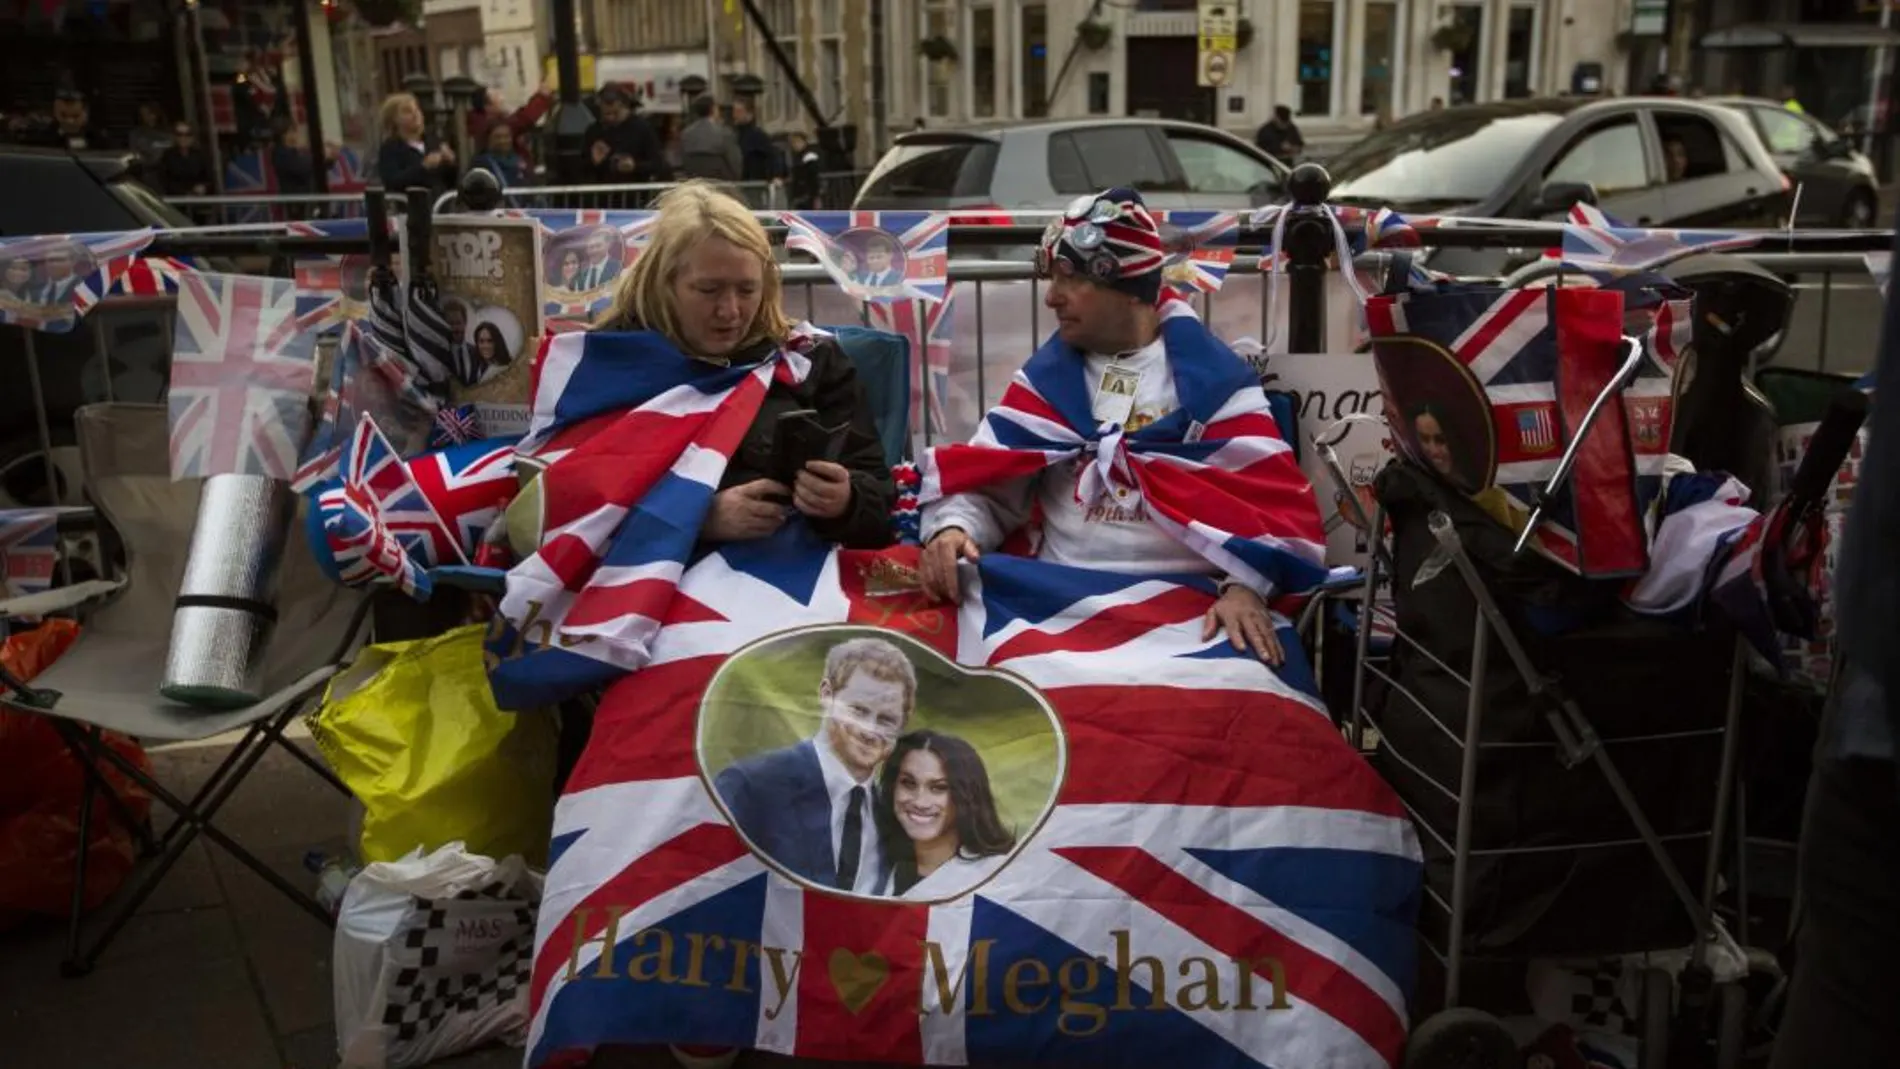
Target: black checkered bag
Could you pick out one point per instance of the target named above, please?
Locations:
(425, 968)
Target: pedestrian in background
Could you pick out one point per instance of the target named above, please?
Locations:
(621, 144)
(499, 157)
(807, 178)
(407, 160)
(1279, 137)
(761, 159)
(183, 170)
(708, 148)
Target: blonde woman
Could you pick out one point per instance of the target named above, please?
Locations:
(407, 160)
(708, 286)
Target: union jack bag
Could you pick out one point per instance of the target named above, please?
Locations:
(1491, 388)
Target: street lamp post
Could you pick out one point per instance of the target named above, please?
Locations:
(573, 118)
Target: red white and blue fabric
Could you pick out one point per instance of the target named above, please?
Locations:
(241, 377)
(930, 328)
(1593, 241)
(636, 436)
(249, 175)
(346, 174)
(1541, 356)
(110, 255)
(29, 550)
(1208, 809)
(355, 389)
(322, 302)
(1200, 248)
(378, 526)
(153, 276)
(1215, 473)
(922, 239)
(636, 231)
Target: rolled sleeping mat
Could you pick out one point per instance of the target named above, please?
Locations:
(227, 602)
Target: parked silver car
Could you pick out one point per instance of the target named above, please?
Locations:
(1042, 165)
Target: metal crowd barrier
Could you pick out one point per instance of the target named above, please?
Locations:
(837, 192)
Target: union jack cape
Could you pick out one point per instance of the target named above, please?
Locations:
(1215, 473)
(1209, 833)
(635, 436)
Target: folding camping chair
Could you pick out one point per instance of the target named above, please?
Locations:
(882, 361)
(109, 679)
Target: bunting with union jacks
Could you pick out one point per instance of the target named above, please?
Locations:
(48, 283)
(1595, 242)
(1200, 248)
(876, 257)
(332, 288)
(583, 253)
(241, 376)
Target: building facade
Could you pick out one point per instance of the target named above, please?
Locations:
(1338, 64)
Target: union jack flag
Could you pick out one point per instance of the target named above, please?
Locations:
(346, 173)
(94, 264)
(1214, 846)
(1541, 357)
(929, 326)
(1200, 248)
(29, 549)
(379, 525)
(919, 271)
(1593, 241)
(330, 289)
(242, 371)
(356, 388)
(249, 175)
(467, 486)
(635, 231)
(636, 436)
(152, 276)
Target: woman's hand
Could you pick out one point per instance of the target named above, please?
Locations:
(823, 490)
(744, 512)
(432, 160)
(448, 155)
(1243, 615)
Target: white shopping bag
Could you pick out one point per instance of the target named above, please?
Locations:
(432, 956)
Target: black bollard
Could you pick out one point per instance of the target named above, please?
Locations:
(1309, 238)
(479, 191)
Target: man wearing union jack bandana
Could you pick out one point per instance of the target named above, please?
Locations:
(1145, 361)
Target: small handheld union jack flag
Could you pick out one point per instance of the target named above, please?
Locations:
(379, 525)
(241, 377)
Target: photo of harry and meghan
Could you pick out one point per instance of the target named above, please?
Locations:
(871, 802)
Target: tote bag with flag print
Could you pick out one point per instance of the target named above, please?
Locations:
(1488, 387)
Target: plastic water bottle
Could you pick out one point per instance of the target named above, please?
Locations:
(333, 877)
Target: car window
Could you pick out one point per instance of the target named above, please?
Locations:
(1785, 132)
(1213, 167)
(959, 168)
(1692, 147)
(1066, 173)
(1608, 157)
(1437, 160)
(1120, 156)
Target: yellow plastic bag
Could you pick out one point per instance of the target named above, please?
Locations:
(412, 729)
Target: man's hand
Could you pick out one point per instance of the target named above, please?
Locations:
(623, 164)
(448, 155)
(744, 512)
(940, 559)
(823, 490)
(432, 160)
(598, 151)
(1243, 615)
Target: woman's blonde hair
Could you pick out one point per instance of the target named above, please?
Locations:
(391, 105)
(690, 213)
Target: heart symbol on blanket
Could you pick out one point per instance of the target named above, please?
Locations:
(857, 977)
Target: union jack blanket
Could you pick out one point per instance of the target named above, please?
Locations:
(633, 436)
(1187, 864)
(1215, 473)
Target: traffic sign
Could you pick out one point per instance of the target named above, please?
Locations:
(1219, 26)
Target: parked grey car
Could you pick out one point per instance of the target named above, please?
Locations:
(1838, 184)
(1043, 165)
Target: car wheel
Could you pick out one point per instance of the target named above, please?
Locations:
(1861, 210)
